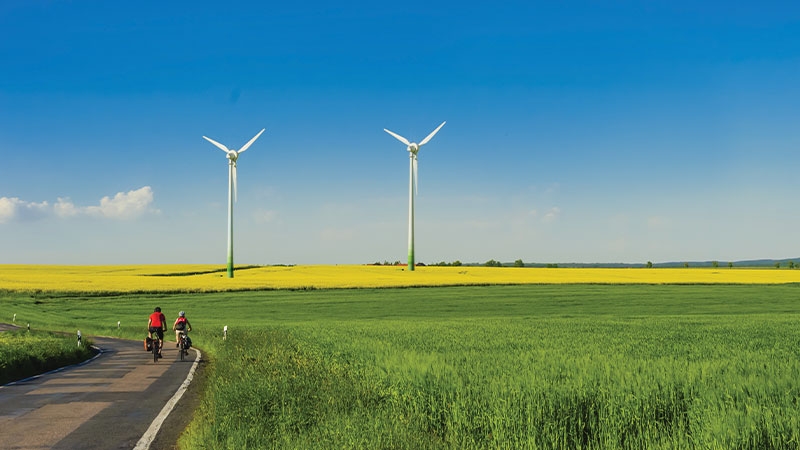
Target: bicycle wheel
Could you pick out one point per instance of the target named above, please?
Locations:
(155, 350)
(183, 346)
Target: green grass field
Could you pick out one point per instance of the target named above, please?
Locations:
(575, 366)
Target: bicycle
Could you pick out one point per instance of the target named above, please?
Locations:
(183, 348)
(156, 346)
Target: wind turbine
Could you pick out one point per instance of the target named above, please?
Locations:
(413, 149)
(232, 156)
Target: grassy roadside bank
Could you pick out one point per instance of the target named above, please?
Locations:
(26, 353)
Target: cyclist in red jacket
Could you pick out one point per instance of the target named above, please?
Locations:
(157, 324)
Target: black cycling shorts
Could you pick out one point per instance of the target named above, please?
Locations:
(158, 332)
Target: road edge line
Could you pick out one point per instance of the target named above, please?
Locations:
(149, 436)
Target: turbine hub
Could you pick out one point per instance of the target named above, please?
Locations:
(232, 155)
(413, 148)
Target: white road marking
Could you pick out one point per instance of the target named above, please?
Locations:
(152, 431)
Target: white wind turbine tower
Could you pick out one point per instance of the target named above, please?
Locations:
(413, 149)
(232, 156)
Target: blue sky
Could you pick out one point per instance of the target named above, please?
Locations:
(577, 131)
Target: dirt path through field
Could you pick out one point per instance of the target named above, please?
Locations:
(107, 403)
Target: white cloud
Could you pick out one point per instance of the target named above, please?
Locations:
(16, 209)
(7, 209)
(65, 208)
(123, 206)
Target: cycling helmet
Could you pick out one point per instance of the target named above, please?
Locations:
(158, 309)
(182, 314)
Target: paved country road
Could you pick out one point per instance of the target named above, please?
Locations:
(108, 403)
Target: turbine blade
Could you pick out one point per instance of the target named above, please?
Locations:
(425, 141)
(221, 147)
(251, 141)
(235, 193)
(416, 177)
(398, 137)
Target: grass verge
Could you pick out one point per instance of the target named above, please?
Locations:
(26, 353)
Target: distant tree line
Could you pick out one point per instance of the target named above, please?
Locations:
(716, 264)
(493, 263)
(455, 263)
(648, 264)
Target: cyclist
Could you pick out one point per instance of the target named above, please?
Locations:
(157, 324)
(181, 325)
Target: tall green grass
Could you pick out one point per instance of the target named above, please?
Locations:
(24, 353)
(519, 383)
(591, 367)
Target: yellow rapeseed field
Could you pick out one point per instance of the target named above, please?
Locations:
(208, 278)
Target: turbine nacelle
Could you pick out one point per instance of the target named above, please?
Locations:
(232, 156)
(413, 147)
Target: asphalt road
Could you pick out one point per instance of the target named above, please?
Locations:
(108, 403)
